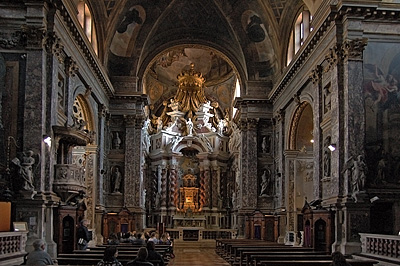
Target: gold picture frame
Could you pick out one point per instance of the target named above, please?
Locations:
(20, 226)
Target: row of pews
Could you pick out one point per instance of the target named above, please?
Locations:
(126, 253)
(240, 252)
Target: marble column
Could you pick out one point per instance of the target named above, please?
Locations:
(91, 191)
(133, 167)
(249, 164)
(356, 205)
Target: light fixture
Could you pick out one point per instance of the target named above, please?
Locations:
(312, 141)
(372, 200)
(332, 147)
(47, 140)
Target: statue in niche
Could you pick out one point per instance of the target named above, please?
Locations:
(265, 181)
(25, 170)
(327, 99)
(266, 144)
(327, 157)
(117, 141)
(357, 172)
(117, 179)
(382, 168)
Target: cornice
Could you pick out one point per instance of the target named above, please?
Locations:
(367, 10)
(85, 47)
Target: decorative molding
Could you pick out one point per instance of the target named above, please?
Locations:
(33, 37)
(316, 74)
(71, 67)
(354, 48)
(90, 57)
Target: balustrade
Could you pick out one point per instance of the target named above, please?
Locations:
(12, 247)
(381, 245)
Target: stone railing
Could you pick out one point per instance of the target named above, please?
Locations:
(12, 247)
(381, 246)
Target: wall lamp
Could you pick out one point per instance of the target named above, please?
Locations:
(332, 147)
(47, 140)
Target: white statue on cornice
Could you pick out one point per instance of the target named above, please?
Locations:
(189, 125)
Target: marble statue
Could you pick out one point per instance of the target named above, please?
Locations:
(117, 176)
(116, 141)
(265, 182)
(26, 170)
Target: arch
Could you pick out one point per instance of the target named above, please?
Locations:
(299, 31)
(301, 120)
(144, 68)
(86, 20)
(200, 146)
(82, 110)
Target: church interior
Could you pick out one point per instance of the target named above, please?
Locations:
(273, 120)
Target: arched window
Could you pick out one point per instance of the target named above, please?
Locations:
(300, 32)
(237, 94)
(87, 23)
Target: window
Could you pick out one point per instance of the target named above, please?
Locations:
(87, 23)
(299, 34)
(237, 94)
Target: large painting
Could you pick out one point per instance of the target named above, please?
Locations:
(382, 110)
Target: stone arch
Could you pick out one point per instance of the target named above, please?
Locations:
(301, 127)
(81, 109)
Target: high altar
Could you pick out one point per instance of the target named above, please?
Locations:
(191, 183)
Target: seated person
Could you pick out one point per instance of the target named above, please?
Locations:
(153, 237)
(141, 258)
(39, 256)
(166, 240)
(139, 240)
(113, 239)
(110, 257)
(338, 259)
(153, 255)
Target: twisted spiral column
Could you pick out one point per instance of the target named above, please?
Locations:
(172, 188)
(202, 190)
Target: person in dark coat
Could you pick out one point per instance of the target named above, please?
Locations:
(110, 257)
(153, 255)
(83, 235)
(141, 258)
(338, 259)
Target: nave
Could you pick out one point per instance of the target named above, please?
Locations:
(191, 254)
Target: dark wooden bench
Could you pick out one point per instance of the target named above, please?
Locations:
(236, 257)
(353, 262)
(252, 257)
(93, 261)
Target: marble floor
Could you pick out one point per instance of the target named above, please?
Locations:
(193, 255)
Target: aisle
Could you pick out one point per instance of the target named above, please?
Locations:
(192, 255)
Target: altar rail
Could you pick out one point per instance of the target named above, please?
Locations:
(383, 246)
(12, 247)
(202, 234)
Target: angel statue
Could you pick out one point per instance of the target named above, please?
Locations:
(357, 173)
(25, 169)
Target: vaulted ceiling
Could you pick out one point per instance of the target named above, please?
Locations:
(155, 40)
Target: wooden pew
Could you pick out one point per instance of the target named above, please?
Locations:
(229, 251)
(94, 255)
(353, 262)
(236, 249)
(253, 256)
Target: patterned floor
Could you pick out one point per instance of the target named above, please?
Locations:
(195, 256)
